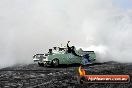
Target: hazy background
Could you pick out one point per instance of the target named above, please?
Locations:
(33, 26)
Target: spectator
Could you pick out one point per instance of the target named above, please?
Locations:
(69, 48)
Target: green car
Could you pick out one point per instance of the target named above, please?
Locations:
(60, 55)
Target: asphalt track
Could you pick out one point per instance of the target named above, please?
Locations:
(33, 76)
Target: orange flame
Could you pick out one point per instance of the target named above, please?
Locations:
(81, 71)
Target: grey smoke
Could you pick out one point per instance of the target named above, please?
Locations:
(29, 26)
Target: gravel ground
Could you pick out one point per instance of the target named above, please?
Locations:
(33, 76)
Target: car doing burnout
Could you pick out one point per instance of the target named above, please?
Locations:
(60, 55)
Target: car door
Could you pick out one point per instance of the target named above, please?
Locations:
(69, 58)
(65, 58)
(74, 59)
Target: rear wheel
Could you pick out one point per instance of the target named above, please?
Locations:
(55, 62)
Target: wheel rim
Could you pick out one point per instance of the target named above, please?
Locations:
(55, 62)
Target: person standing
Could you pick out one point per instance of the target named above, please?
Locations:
(69, 48)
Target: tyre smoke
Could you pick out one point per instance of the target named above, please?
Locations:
(29, 27)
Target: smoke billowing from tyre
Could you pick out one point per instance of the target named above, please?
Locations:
(34, 27)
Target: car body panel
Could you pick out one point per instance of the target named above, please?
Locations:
(64, 57)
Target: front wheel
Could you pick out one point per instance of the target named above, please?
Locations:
(55, 62)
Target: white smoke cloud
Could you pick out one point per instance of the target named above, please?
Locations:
(28, 27)
(112, 30)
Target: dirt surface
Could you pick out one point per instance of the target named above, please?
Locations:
(33, 76)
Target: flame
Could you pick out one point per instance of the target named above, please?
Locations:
(81, 71)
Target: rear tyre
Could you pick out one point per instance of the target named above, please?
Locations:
(55, 62)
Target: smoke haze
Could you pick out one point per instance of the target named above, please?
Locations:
(28, 27)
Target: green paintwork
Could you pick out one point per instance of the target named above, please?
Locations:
(68, 58)
(64, 57)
